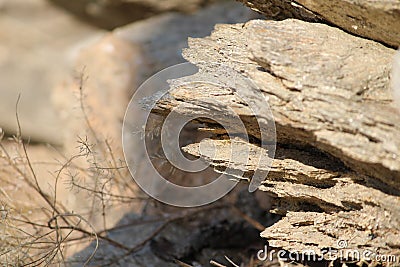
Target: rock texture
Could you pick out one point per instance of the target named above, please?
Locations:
(330, 96)
(377, 20)
(321, 94)
(321, 202)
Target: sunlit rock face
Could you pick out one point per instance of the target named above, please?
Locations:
(396, 79)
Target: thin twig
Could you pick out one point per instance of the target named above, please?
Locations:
(248, 219)
(231, 262)
(182, 264)
(212, 262)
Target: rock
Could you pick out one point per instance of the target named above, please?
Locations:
(107, 69)
(316, 195)
(115, 66)
(91, 107)
(116, 13)
(288, 77)
(33, 58)
(377, 20)
(329, 92)
(163, 37)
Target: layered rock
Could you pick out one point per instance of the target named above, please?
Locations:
(329, 93)
(377, 20)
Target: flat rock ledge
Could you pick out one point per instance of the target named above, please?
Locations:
(376, 20)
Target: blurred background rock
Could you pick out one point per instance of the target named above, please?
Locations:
(36, 41)
(109, 14)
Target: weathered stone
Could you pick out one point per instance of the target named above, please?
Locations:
(377, 20)
(328, 91)
(326, 88)
(325, 202)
